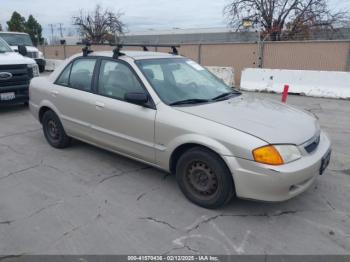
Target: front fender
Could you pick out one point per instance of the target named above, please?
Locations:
(163, 154)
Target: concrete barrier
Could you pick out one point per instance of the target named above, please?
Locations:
(331, 84)
(224, 73)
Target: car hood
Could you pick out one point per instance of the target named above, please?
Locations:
(13, 58)
(271, 121)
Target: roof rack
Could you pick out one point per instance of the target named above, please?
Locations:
(116, 51)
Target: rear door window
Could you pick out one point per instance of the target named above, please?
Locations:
(78, 74)
(81, 74)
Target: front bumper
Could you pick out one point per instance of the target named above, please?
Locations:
(21, 96)
(277, 183)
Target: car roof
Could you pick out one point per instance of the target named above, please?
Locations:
(136, 54)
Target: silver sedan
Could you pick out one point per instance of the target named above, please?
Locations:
(169, 112)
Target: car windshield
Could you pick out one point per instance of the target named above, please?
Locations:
(17, 39)
(183, 81)
(4, 47)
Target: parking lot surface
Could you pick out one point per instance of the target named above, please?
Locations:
(85, 200)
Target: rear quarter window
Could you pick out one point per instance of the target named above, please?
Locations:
(63, 79)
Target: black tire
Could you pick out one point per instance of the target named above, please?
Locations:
(204, 178)
(54, 131)
(41, 68)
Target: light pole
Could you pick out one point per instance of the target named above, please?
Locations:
(248, 23)
(260, 45)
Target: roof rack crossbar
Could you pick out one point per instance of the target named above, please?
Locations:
(116, 51)
(118, 47)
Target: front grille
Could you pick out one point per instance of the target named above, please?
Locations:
(21, 76)
(313, 145)
(32, 54)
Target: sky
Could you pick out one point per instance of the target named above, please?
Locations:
(138, 15)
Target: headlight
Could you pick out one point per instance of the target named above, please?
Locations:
(289, 153)
(276, 154)
(35, 69)
(41, 55)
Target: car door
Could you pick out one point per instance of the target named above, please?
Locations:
(72, 95)
(121, 125)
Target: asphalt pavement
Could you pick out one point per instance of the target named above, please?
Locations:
(85, 200)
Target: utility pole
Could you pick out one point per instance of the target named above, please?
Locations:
(51, 26)
(247, 23)
(261, 42)
(37, 36)
(61, 29)
(260, 45)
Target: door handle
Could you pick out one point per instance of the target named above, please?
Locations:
(99, 105)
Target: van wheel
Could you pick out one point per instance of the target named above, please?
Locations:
(41, 68)
(53, 130)
(204, 178)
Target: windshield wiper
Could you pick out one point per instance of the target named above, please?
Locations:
(225, 95)
(189, 101)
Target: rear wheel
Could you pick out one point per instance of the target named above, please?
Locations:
(204, 178)
(53, 130)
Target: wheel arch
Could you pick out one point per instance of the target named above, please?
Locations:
(44, 107)
(181, 149)
(42, 111)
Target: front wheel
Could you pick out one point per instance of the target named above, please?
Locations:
(204, 178)
(54, 131)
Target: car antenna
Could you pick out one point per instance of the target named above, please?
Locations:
(87, 49)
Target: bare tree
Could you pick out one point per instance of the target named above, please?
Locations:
(284, 18)
(98, 26)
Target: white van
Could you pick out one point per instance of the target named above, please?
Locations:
(16, 71)
(15, 39)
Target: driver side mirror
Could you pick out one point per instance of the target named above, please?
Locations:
(22, 50)
(137, 98)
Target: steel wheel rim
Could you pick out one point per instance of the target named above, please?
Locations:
(201, 179)
(52, 129)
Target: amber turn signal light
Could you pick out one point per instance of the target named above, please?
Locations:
(267, 155)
